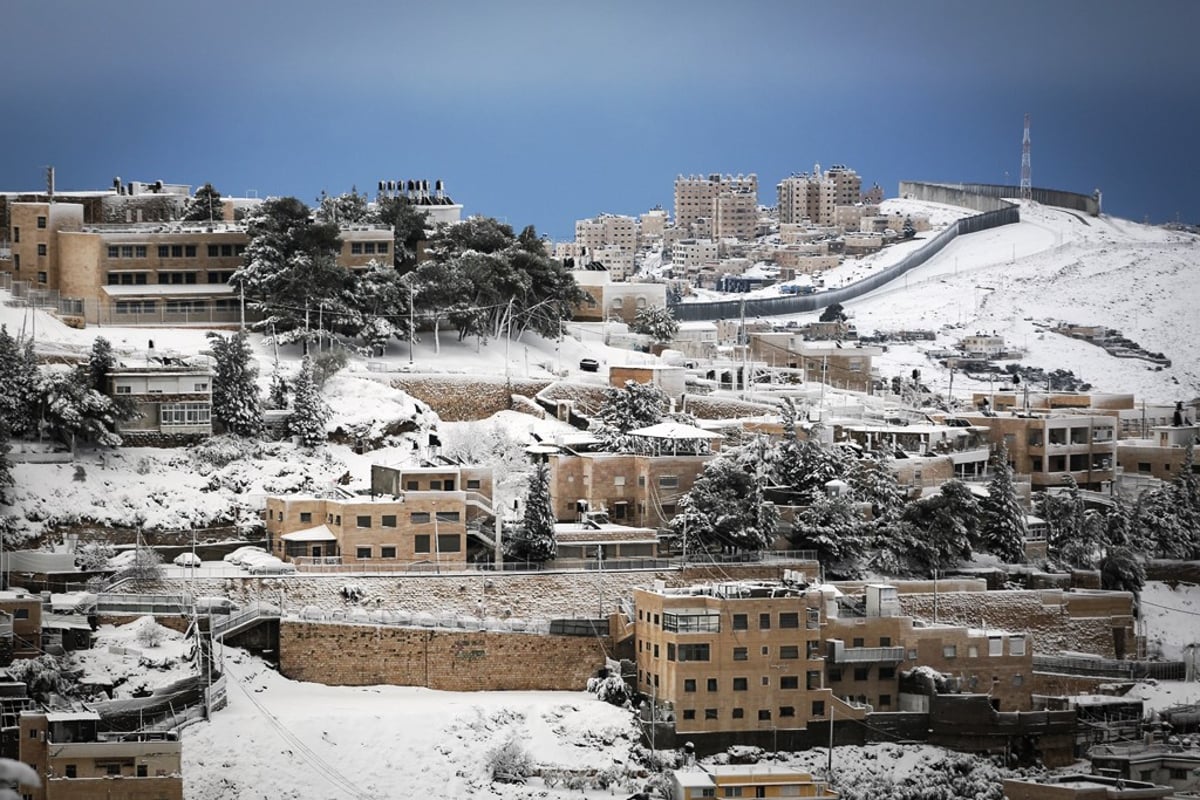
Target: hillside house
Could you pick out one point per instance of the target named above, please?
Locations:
(172, 398)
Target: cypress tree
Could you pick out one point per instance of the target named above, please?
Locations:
(309, 411)
(1001, 518)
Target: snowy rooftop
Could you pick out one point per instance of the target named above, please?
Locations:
(320, 533)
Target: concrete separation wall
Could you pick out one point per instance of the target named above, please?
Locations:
(979, 195)
(1001, 214)
(456, 661)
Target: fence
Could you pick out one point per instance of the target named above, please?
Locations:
(1111, 668)
(795, 304)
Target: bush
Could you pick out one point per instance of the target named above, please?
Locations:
(93, 556)
(510, 762)
(327, 364)
(150, 633)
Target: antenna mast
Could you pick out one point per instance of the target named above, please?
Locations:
(1026, 172)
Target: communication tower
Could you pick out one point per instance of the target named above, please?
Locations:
(1026, 172)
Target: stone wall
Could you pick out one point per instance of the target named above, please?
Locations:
(460, 398)
(459, 661)
(1056, 621)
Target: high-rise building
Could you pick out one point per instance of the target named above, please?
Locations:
(730, 202)
(815, 197)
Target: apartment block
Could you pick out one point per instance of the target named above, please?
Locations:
(689, 256)
(607, 229)
(1048, 448)
(816, 196)
(721, 200)
(652, 225)
(1162, 454)
(638, 490)
(414, 515)
(734, 657)
(826, 362)
(77, 762)
(605, 298)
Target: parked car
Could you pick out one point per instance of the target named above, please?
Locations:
(272, 566)
(187, 560)
(589, 365)
(237, 555)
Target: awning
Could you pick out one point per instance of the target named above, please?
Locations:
(321, 533)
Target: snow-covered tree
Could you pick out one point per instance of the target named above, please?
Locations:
(804, 466)
(535, 540)
(408, 225)
(1067, 537)
(146, 568)
(375, 334)
(101, 363)
(725, 508)
(1001, 518)
(834, 527)
(873, 481)
(943, 523)
(72, 410)
(278, 390)
(204, 206)
(94, 556)
(6, 478)
(1121, 570)
(19, 382)
(309, 410)
(657, 322)
(909, 230)
(14, 774)
(43, 676)
(235, 403)
(348, 207)
(625, 409)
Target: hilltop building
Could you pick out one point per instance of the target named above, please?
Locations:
(725, 205)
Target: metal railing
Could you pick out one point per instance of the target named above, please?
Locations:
(862, 655)
(1111, 668)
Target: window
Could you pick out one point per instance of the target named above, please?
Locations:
(739, 713)
(126, 251)
(764, 714)
(369, 248)
(20, 613)
(740, 623)
(697, 622)
(421, 543)
(857, 642)
(41, 249)
(164, 251)
(472, 483)
(189, 250)
(356, 248)
(435, 486)
(184, 414)
(387, 551)
(764, 622)
(214, 250)
(862, 673)
(199, 387)
(995, 646)
(885, 641)
(16, 235)
(693, 652)
(689, 684)
(142, 771)
(114, 251)
(972, 651)
(950, 651)
(1178, 774)
(418, 517)
(887, 673)
(70, 770)
(710, 713)
(388, 521)
(42, 277)
(818, 708)
(812, 650)
(790, 682)
(740, 684)
(1016, 646)
(711, 685)
(656, 651)
(362, 552)
(1018, 680)
(835, 673)
(740, 654)
(766, 680)
(670, 651)
(362, 521)
(449, 543)
(124, 390)
(789, 652)
(689, 713)
(448, 516)
(306, 516)
(383, 247)
(112, 769)
(411, 486)
(41, 222)
(787, 711)
(668, 481)
(1143, 466)
(139, 251)
(32, 734)
(885, 700)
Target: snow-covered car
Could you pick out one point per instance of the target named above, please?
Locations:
(272, 566)
(237, 555)
(187, 560)
(122, 560)
(589, 364)
(252, 558)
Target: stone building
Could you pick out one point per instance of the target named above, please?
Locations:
(1049, 447)
(638, 490)
(726, 204)
(172, 401)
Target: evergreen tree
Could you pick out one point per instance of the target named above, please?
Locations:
(1001, 518)
(235, 403)
(873, 481)
(278, 391)
(636, 405)
(72, 410)
(19, 380)
(909, 230)
(725, 508)
(1121, 570)
(101, 363)
(804, 467)
(833, 313)
(309, 412)
(6, 478)
(408, 226)
(1066, 536)
(656, 322)
(204, 206)
(943, 523)
(343, 209)
(534, 540)
(834, 528)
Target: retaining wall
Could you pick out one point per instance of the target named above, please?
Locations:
(457, 661)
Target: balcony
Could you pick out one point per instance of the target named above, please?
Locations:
(840, 654)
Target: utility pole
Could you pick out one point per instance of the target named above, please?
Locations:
(412, 324)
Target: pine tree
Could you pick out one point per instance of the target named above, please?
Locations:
(277, 393)
(204, 206)
(944, 524)
(725, 508)
(235, 403)
(100, 363)
(1001, 518)
(73, 410)
(656, 322)
(834, 528)
(19, 385)
(6, 478)
(309, 412)
(535, 540)
(636, 405)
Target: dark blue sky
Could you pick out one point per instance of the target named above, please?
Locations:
(545, 112)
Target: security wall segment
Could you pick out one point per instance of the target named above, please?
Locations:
(1001, 212)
